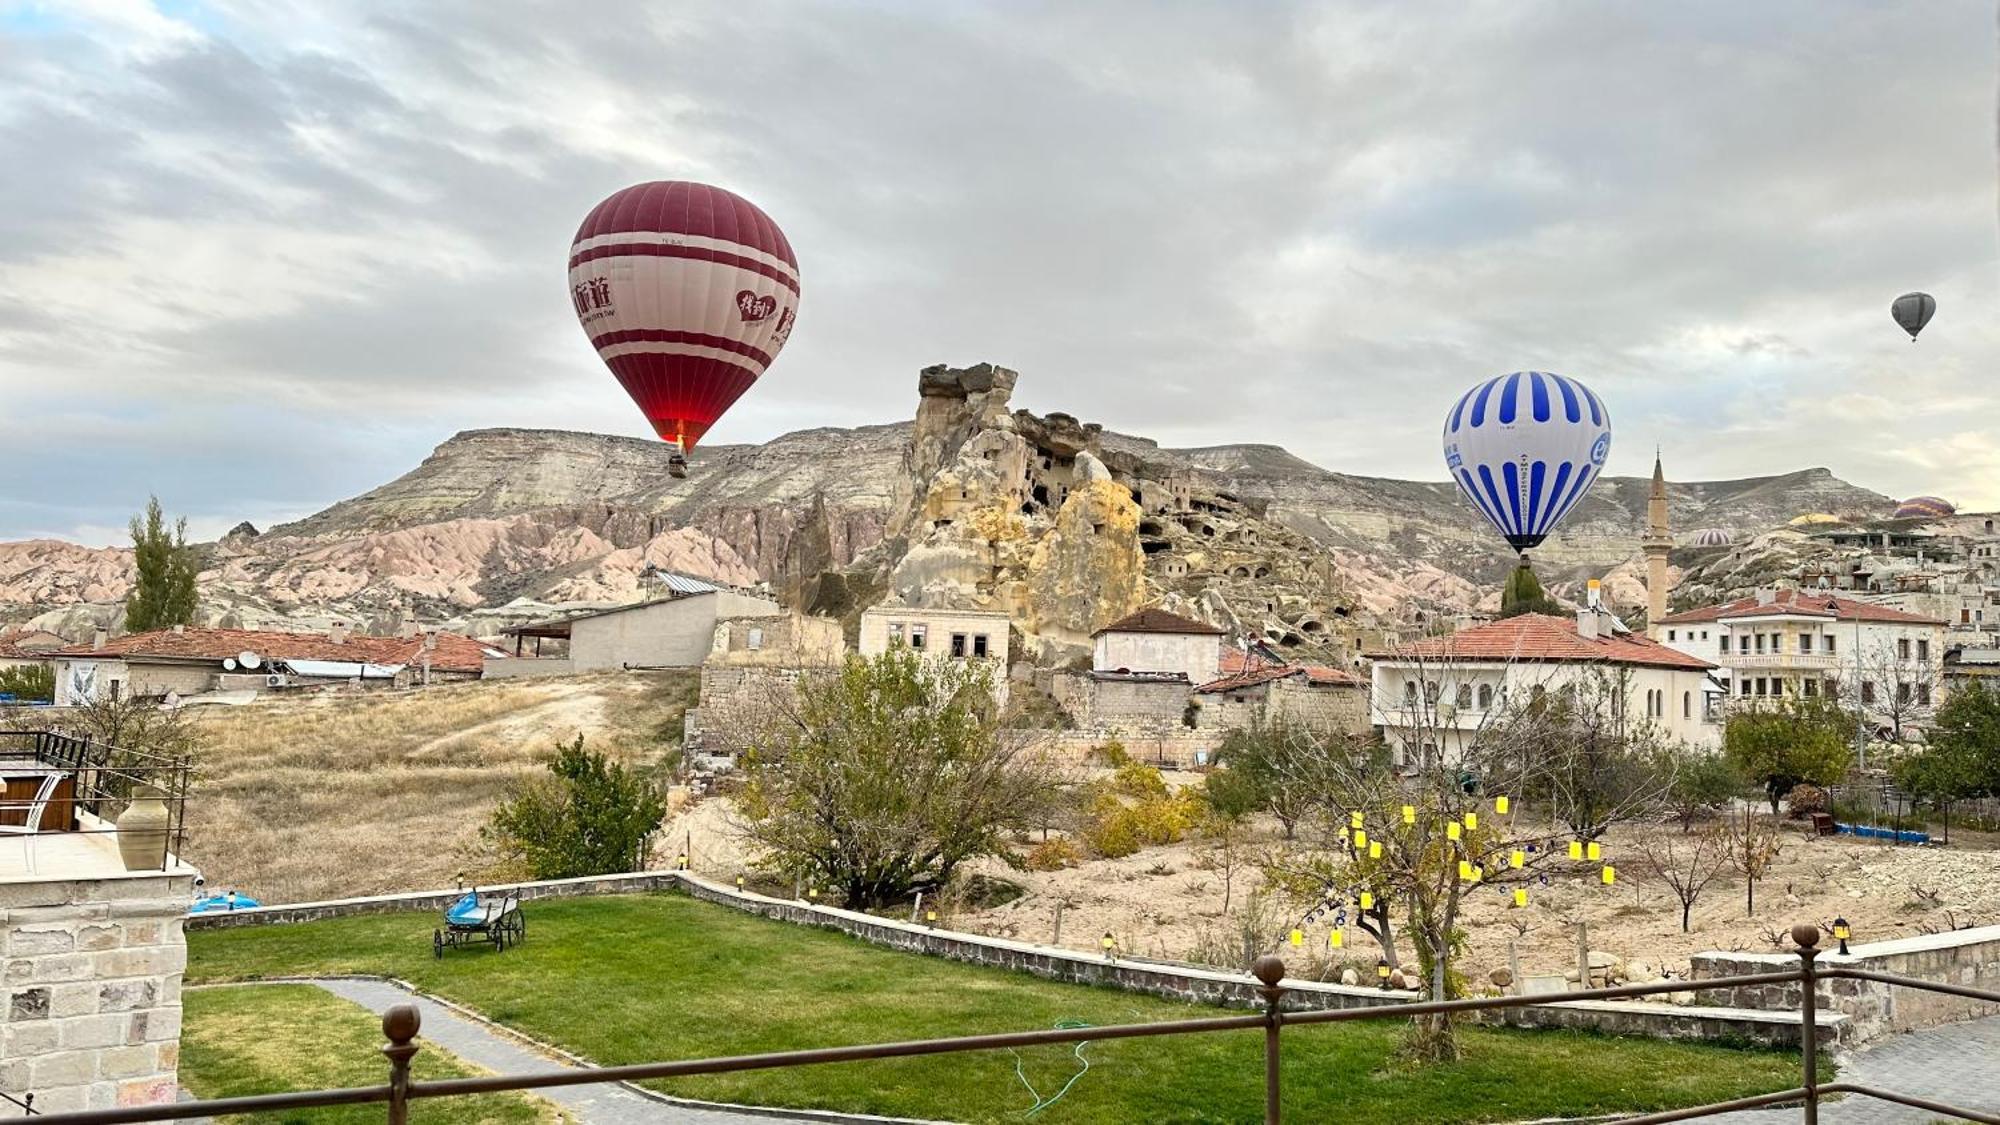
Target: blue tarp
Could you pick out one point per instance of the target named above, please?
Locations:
(230, 901)
(1871, 832)
(466, 911)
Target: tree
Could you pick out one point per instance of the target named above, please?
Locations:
(589, 816)
(1780, 744)
(1897, 688)
(882, 777)
(1273, 761)
(1702, 781)
(29, 683)
(1753, 844)
(164, 593)
(1962, 758)
(1523, 594)
(1598, 768)
(1687, 864)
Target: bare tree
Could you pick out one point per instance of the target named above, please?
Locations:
(1898, 686)
(1754, 843)
(1687, 864)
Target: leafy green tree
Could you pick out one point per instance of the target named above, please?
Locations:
(29, 682)
(164, 594)
(1702, 781)
(883, 777)
(1788, 742)
(1962, 759)
(589, 816)
(1275, 763)
(1523, 594)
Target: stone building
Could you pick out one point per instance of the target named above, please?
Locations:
(1328, 699)
(975, 634)
(675, 631)
(1156, 641)
(187, 662)
(752, 672)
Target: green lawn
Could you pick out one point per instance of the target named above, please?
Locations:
(647, 977)
(269, 1039)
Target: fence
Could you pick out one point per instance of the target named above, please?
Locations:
(402, 1023)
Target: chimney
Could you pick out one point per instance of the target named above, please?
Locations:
(100, 638)
(406, 623)
(1766, 595)
(337, 633)
(430, 640)
(1586, 623)
(1594, 594)
(180, 629)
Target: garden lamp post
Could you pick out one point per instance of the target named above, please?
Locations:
(1841, 933)
(1382, 972)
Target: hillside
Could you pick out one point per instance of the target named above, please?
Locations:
(499, 525)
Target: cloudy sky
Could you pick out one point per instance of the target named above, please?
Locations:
(258, 256)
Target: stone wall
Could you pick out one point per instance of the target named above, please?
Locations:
(93, 990)
(632, 883)
(1964, 957)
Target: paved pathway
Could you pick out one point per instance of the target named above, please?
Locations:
(604, 1103)
(1958, 1064)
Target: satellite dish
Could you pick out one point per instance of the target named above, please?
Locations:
(249, 659)
(229, 664)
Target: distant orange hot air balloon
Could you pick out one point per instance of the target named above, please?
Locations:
(688, 292)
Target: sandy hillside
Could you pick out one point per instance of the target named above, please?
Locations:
(345, 794)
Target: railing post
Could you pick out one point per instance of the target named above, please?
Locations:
(1806, 936)
(1270, 970)
(400, 1025)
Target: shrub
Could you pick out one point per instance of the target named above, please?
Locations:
(1804, 800)
(29, 683)
(1054, 855)
(1139, 781)
(1114, 829)
(590, 816)
(1111, 753)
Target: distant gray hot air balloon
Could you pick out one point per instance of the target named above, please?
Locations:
(1913, 311)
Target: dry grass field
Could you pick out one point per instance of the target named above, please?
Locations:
(346, 794)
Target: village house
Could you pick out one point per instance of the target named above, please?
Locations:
(1792, 643)
(187, 662)
(1312, 695)
(1155, 641)
(676, 630)
(943, 634)
(1432, 697)
(753, 668)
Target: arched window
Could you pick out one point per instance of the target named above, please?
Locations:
(1409, 691)
(1687, 705)
(1485, 696)
(1464, 695)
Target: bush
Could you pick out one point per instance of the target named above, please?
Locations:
(1804, 800)
(1111, 753)
(1054, 855)
(1139, 781)
(29, 683)
(590, 816)
(1114, 829)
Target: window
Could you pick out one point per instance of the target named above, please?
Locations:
(755, 638)
(1903, 694)
(1868, 691)
(1465, 695)
(1432, 689)
(1409, 691)
(979, 645)
(1805, 644)
(1485, 696)
(1812, 688)
(1903, 648)
(1670, 634)
(1725, 643)
(1829, 644)
(1746, 688)
(1762, 686)
(1777, 642)
(917, 635)
(1924, 694)
(895, 633)
(958, 644)
(1704, 636)
(1687, 705)
(1923, 650)
(1760, 642)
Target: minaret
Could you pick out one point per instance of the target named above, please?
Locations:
(1659, 540)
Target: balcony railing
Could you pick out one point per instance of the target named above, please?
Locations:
(96, 783)
(402, 1023)
(1781, 661)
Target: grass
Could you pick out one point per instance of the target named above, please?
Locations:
(641, 978)
(339, 795)
(273, 1038)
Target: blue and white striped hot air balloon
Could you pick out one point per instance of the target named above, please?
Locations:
(1525, 448)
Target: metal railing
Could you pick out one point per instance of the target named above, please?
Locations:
(105, 779)
(402, 1023)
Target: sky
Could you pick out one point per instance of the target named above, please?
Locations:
(259, 256)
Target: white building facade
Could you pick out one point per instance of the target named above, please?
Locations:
(1155, 641)
(1431, 699)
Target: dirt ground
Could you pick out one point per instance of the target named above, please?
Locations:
(339, 795)
(1166, 902)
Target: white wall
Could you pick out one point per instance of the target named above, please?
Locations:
(1197, 656)
(669, 633)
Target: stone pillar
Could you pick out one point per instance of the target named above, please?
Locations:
(92, 1016)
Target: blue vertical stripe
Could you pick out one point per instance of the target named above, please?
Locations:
(1479, 404)
(1572, 410)
(1471, 488)
(1493, 494)
(1537, 477)
(1596, 408)
(1511, 473)
(1510, 400)
(1458, 412)
(1540, 387)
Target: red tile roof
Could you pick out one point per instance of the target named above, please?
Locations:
(454, 652)
(1538, 637)
(11, 651)
(1314, 673)
(1798, 603)
(1155, 620)
(1235, 660)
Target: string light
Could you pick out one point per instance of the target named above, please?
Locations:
(1409, 814)
(1472, 820)
(1517, 859)
(1610, 875)
(1500, 805)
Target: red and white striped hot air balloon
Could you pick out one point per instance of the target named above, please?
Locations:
(688, 292)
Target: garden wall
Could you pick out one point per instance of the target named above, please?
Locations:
(1966, 957)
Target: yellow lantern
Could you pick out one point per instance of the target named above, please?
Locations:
(1334, 940)
(1517, 859)
(739, 884)
(1464, 869)
(1367, 901)
(1472, 820)
(931, 917)
(1610, 875)
(812, 893)
(1576, 849)
(1594, 851)
(1520, 896)
(1110, 942)
(1360, 838)
(1500, 805)
(1451, 830)
(1478, 873)
(1409, 814)
(1374, 849)
(1354, 819)
(1298, 938)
